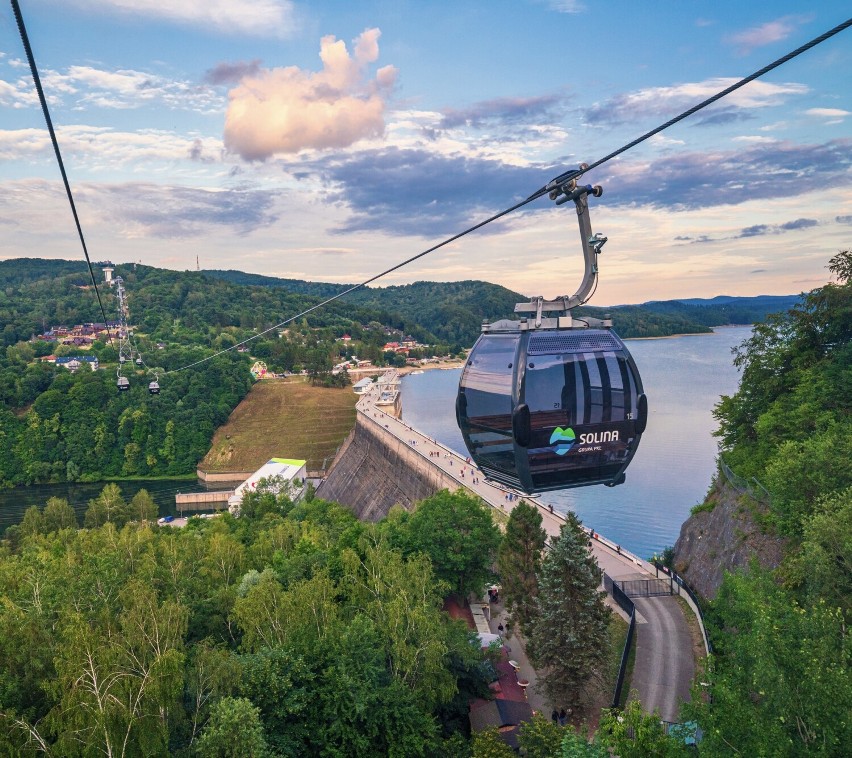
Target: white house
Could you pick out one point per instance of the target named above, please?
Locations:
(282, 474)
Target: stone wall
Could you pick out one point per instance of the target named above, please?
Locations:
(375, 471)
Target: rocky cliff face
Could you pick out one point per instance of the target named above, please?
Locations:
(725, 538)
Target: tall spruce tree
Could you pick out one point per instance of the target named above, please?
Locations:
(568, 635)
(519, 562)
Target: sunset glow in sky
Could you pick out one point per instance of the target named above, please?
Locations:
(330, 140)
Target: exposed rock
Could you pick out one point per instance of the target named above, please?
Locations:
(724, 535)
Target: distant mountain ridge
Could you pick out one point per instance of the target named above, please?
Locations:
(39, 291)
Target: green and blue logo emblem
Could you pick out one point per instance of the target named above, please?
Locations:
(563, 439)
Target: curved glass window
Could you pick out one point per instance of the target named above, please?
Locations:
(486, 409)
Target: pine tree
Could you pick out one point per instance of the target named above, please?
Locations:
(568, 635)
(519, 562)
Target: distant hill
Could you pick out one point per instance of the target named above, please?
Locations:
(781, 302)
(725, 309)
(49, 291)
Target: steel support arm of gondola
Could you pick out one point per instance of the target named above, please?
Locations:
(591, 244)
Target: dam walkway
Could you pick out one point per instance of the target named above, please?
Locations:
(664, 667)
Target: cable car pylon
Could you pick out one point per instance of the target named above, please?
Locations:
(553, 401)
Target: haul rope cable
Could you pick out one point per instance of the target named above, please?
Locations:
(552, 188)
(37, 81)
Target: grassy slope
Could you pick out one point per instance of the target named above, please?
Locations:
(284, 419)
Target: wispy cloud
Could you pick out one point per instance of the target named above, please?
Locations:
(566, 6)
(123, 89)
(713, 178)
(419, 192)
(262, 18)
(512, 110)
(286, 110)
(666, 101)
(830, 115)
(843, 219)
(230, 72)
(105, 147)
(135, 210)
(765, 34)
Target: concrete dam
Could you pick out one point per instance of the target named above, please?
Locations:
(374, 470)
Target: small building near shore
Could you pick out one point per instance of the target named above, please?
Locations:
(281, 475)
(361, 386)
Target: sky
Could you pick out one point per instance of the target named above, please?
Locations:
(329, 141)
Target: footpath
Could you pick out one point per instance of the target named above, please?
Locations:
(664, 667)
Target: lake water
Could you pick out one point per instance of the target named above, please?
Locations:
(14, 502)
(683, 378)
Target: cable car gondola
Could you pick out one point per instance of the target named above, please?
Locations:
(139, 361)
(123, 384)
(550, 403)
(154, 387)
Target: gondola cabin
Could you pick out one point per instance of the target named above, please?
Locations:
(550, 402)
(154, 387)
(123, 384)
(544, 410)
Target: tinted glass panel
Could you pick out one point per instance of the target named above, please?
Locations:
(487, 386)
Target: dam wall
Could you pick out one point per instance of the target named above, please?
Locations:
(375, 470)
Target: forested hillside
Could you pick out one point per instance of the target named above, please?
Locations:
(779, 682)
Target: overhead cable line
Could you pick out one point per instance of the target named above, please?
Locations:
(553, 186)
(37, 81)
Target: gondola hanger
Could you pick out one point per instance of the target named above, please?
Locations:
(550, 401)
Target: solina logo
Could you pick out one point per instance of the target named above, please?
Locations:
(564, 439)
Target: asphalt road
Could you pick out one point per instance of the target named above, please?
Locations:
(664, 666)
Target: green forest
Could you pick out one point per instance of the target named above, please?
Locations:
(292, 630)
(779, 681)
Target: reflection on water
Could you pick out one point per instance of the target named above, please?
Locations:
(683, 379)
(14, 502)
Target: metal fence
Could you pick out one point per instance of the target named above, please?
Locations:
(627, 605)
(751, 487)
(648, 587)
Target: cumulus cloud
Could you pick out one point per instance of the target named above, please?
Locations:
(266, 18)
(20, 94)
(765, 34)
(286, 110)
(666, 101)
